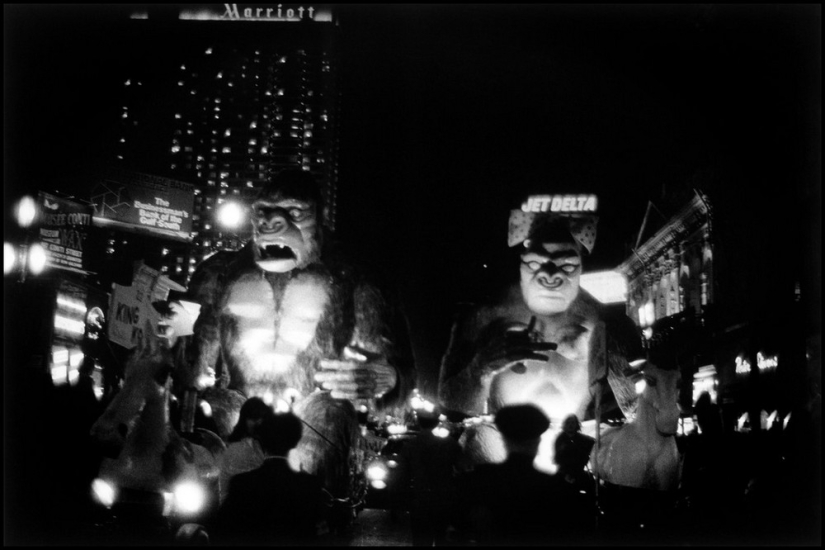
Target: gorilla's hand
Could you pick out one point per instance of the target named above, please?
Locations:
(362, 375)
(506, 345)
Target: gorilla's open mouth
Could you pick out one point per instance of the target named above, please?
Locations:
(277, 251)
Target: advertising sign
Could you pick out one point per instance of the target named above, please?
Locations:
(63, 231)
(144, 203)
(130, 307)
(255, 12)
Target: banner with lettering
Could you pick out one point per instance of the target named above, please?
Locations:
(144, 203)
(130, 307)
(63, 230)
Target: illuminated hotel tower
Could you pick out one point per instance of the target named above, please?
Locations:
(227, 95)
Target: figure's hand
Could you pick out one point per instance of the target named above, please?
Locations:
(508, 347)
(361, 375)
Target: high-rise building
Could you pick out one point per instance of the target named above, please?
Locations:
(223, 96)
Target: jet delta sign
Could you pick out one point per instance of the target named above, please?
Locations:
(242, 12)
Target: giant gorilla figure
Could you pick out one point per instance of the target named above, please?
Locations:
(546, 342)
(287, 318)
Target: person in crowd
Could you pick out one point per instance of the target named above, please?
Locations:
(244, 452)
(512, 503)
(273, 504)
(572, 452)
(429, 464)
(547, 341)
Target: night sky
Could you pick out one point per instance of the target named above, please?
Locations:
(449, 114)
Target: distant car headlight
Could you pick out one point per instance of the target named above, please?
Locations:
(377, 471)
(189, 497)
(104, 492)
(441, 431)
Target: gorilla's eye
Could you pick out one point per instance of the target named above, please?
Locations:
(569, 269)
(298, 215)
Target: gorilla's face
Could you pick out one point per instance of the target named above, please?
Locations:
(550, 277)
(285, 232)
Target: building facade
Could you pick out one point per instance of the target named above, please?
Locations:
(737, 346)
(671, 294)
(225, 96)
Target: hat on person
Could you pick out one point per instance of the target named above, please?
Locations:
(521, 422)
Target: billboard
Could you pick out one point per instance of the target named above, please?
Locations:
(63, 231)
(143, 203)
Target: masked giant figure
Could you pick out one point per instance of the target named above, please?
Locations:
(287, 319)
(546, 341)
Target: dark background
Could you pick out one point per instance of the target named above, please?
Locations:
(452, 114)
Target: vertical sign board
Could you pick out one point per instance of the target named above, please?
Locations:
(130, 307)
(144, 203)
(63, 230)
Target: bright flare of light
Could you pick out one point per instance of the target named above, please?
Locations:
(206, 381)
(71, 304)
(377, 472)
(189, 497)
(76, 358)
(37, 259)
(9, 258)
(292, 395)
(640, 386)
(206, 408)
(268, 397)
(392, 463)
(396, 429)
(441, 432)
(69, 325)
(104, 492)
(378, 484)
(59, 374)
(230, 215)
(282, 406)
(26, 211)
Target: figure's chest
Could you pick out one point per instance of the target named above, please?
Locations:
(560, 386)
(288, 316)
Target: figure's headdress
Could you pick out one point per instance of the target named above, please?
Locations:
(538, 212)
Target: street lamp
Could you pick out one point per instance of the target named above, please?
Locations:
(25, 257)
(26, 212)
(231, 217)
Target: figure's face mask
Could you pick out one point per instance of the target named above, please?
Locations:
(550, 276)
(285, 232)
